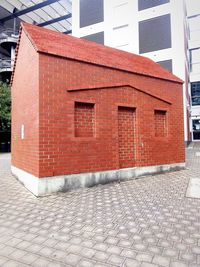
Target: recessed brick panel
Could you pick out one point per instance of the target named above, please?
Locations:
(160, 123)
(126, 135)
(84, 119)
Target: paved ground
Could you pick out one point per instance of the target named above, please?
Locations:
(146, 222)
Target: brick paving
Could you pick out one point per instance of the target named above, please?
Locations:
(146, 222)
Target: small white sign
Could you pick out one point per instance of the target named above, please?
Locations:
(22, 131)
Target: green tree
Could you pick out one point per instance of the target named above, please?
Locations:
(5, 107)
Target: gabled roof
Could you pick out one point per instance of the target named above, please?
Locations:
(58, 44)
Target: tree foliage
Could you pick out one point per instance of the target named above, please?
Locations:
(5, 107)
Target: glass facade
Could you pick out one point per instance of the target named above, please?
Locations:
(195, 60)
(166, 64)
(196, 129)
(144, 4)
(155, 34)
(195, 93)
(96, 37)
(91, 12)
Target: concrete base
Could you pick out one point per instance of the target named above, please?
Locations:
(193, 189)
(48, 185)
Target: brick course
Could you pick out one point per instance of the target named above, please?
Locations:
(83, 117)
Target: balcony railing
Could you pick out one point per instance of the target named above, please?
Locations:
(6, 65)
(8, 35)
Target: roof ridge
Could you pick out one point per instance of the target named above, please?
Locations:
(58, 44)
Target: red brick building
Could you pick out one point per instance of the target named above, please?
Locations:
(83, 113)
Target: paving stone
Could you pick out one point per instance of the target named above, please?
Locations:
(139, 247)
(146, 264)
(74, 249)
(23, 244)
(13, 242)
(72, 259)
(3, 260)
(112, 240)
(6, 251)
(86, 263)
(29, 258)
(101, 256)
(180, 246)
(135, 223)
(101, 246)
(54, 264)
(46, 252)
(88, 243)
(128, 253)
(196, 250)
(117, 260)
(171, 252)
(34, 248)
(39, 239)
(59, 255)
(144, 257)
(12, 263)
(61, 245)
(162, 261)
(188, 257)
(17, 254)
(28, 237)
(88, 252)
(178, 264)
(50, 243)
(114, 250)
(124, 243)
(155, 250)
(41, 262)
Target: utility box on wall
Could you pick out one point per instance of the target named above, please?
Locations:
(90, 114)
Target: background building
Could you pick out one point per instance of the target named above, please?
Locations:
(156, 29)
(194, 47)
(51, 14)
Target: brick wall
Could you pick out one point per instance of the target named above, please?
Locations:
(25, 109)
(69, 137)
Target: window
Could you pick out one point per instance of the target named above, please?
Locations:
(166, 64)
(194, 26)
(160, 123)
(195, 60)
(155, 34)
(195, 93)
(91, 12)
(96, 37)
(84, 119)
(196, 129)
(144, 4)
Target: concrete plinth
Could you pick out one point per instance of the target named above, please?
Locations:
(48, 185)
